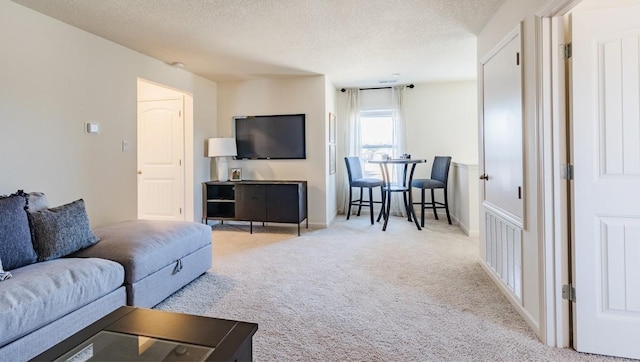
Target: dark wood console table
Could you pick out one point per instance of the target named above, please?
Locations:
(264, 201)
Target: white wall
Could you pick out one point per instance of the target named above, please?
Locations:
(283, 96)
(53, 79)
(510, 14)
(442, 120)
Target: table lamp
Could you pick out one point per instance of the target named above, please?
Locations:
(221, 148)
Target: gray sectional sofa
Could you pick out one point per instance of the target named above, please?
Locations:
(60, 275)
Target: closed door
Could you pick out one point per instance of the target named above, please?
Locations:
(502, 129)
(606, 157)
(160, 160)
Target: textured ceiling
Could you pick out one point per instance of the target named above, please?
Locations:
(353, 42)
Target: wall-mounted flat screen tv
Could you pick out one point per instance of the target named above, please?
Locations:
(270, 137)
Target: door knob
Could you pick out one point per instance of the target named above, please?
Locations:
(484, 177)
(139, 172)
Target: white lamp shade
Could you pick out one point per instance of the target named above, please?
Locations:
(221, 147)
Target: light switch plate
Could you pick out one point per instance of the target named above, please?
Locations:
(92, 127)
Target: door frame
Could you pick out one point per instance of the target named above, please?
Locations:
(553, 133)
(148, 90)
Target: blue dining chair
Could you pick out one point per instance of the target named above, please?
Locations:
(354, 170)
(439, 179)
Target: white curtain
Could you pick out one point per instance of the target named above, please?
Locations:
(351, 142)
(399, 148)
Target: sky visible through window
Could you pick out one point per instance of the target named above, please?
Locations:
(376, 139)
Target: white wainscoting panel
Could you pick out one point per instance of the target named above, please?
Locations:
(504, 251)
(463, 196)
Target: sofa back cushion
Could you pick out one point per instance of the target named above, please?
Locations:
(16, 249)
(61, 230)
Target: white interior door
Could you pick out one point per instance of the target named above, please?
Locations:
(502, 128)
(160, 160)
(606, 157)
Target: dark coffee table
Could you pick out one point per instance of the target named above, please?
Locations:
(137, 334)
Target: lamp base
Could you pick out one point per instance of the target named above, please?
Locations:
(222, 169)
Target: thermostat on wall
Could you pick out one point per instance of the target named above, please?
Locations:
(92, 127)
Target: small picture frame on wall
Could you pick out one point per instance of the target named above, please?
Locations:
(332, 159)
(332, 128)
(235, 174)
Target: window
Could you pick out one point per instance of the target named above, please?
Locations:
(376, 138)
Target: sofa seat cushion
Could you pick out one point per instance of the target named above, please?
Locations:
(41, 293)
(145, 246)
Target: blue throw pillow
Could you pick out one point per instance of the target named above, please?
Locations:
(16, 249)
(61, 230)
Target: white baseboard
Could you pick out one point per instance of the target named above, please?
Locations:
(464, 227)
(511, 298)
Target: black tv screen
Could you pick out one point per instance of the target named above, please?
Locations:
(270, 137)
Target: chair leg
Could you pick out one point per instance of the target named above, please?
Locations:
(422, 207)
(446, 205)
(350, 198)
(411, 210)
(371, 203)
(360, 203)
(433, 204)
(387, 211)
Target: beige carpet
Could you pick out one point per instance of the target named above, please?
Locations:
(355, 293)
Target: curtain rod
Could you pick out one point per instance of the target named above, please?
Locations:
(344, 90)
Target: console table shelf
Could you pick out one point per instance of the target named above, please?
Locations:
(264, 201)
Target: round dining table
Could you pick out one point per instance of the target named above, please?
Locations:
(403, 186)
